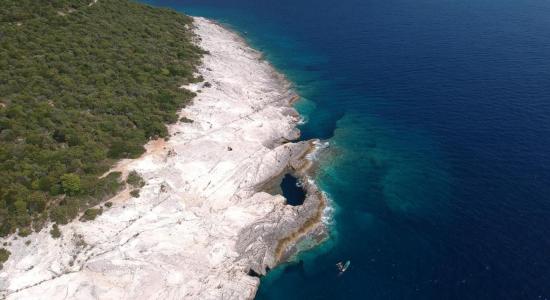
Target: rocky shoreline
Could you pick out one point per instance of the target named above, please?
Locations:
(204, 226)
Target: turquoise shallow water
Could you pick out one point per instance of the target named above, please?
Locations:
(437, 117)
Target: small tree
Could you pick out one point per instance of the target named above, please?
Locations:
(70, 184)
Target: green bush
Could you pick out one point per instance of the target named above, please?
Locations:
(55, 232)
(92, 213)
(185, 120)
(135, 180)
(38, 221)
(103, 189)
(23, 232)
(4, 255)
(70, 184)
(134, 193)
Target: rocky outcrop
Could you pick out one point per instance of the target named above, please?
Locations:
(272, 239)
(203, 223)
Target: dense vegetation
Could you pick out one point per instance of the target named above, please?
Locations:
(81, 86)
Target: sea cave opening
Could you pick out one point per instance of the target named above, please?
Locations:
(292, 190)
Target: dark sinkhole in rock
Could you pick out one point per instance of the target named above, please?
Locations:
(253, 273)
(293, 192)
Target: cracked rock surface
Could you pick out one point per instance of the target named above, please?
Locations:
(202, 220)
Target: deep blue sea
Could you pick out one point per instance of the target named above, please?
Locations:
(438, 118)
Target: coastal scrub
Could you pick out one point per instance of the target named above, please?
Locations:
(81, 87)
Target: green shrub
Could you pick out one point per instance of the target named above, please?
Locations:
(135, 180)
(105, 188)
(4, 255)
(55, 232)
(38, 221)
(70, 184)
(92, 213)
(135, 193)
(25, 231)
(185, 120)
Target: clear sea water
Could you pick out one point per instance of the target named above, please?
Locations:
(438, 118)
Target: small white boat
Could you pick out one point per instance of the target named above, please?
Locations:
(342, 267)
